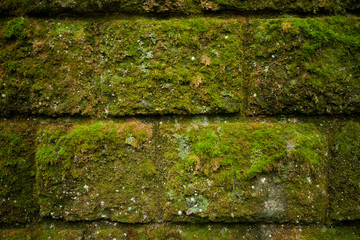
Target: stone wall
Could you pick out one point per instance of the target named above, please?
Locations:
(179, 119)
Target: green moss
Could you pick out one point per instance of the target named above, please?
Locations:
(40, 234)
(15, 29)
(123, 67)
(344, 177)
(188, 231)
(172, 66)
(115, 67)
(185, 7)
(303, 66)
(245, 172)
(107, 170)
(19, 203)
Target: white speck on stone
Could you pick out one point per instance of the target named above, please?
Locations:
(266, 69)
(308, 179)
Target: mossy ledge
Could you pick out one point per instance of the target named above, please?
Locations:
(170, 7)
(109, 231)
(109, 67)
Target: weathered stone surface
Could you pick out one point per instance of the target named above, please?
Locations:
(186, 7)
(120, 67)
(111, 231)
(102, 170)
(344, 174)
(112, 67)
(38, 233)
(298, 6)
(224, 172)
(18, 203)
(225, 232)
(306, 66)
(245, 172)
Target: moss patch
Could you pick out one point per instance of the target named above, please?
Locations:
(114, 67)
(173, 66)
(305, 66)
(245, 172)
(344, 176)
(101, 170)
(38, 233)
(21, 7)
(18, 203)
(120, 67)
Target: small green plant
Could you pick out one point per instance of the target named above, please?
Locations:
(15, 29)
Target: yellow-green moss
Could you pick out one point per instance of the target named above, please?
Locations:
(185, 7)
(245, 172)
(18, 203)
(114, 67)
(188, 231)
(344, 175)
(121, 67)
(33, 233)
(305, 66)
(101, 170)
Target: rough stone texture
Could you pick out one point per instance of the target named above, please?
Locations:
(185, 7)
(120, 67)
(111, 231)
(226, 172)
(112, 67)
(306, 66)
(39, 233)
(213, 176)
(344, 174)
(17, 171)
(245, 172)
(300, 6)
(100, 170)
